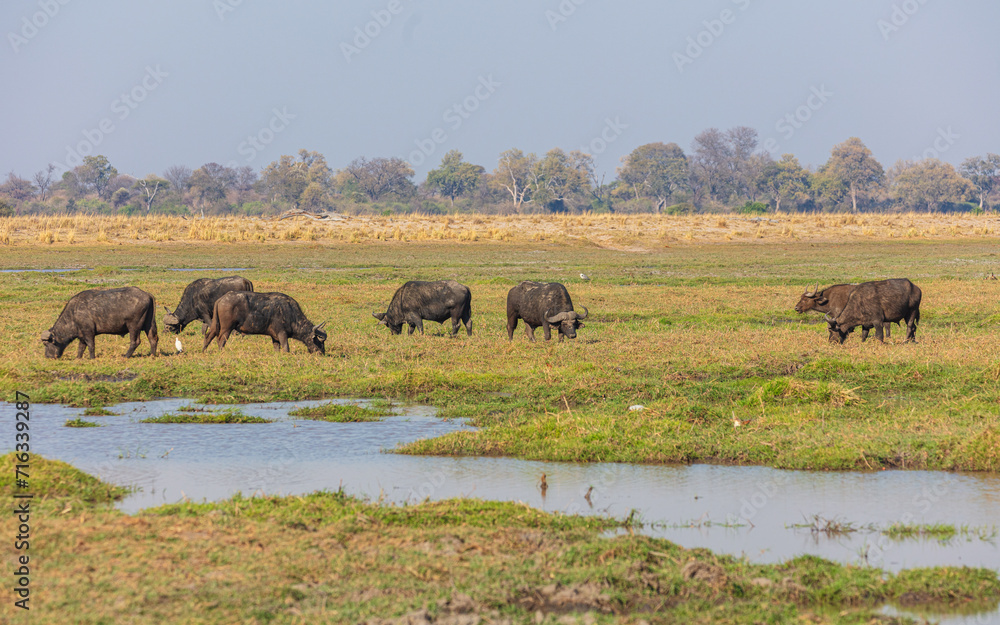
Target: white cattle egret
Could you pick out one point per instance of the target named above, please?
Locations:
(177, 344)
(584, 276)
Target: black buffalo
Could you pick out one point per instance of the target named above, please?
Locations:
(874, 304)
(274, 314)
(198, 301)
(434, 301)
(830, 300)
(127, 310)
(543, 304)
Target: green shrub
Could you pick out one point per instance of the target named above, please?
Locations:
(752, 208)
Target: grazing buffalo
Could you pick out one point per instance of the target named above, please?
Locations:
(543, 304)
(874, 304)
(274, 314)
(127, 310)
(830, 300)
(434, 301)
(198, 301)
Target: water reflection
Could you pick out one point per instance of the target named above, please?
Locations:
(746, 511)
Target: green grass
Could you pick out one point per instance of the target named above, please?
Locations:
(344, 413)
(337, 559)
(80, 423)
(699, 334)
(54, 479)
(939, 531)
(231, 415)
(97, 411)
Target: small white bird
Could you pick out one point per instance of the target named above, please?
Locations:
(177, 344)
(584, 276)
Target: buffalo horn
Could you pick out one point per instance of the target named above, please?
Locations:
(320, 326)
(585, 313)
(376, 316)
(46, 335)
(563, 316)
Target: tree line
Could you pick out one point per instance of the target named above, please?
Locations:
(723, 171)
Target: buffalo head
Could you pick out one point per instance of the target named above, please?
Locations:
(316, 341)
(171, 322)
(568, 322)
(810, 299)
(53, 348)
(395, 328)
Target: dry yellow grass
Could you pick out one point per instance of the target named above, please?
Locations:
(624, 232)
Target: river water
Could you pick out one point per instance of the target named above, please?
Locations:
(743, 511)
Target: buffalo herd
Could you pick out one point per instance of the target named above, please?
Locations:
(225, 305)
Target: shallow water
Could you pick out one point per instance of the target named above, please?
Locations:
(41, 270)
(688, 505)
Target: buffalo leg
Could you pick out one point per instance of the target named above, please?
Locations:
(81, 345)
(455, 323)
(911, 328)
(283, 339)
(511, 326)
(420, 326)
(529, 331)
(879, 334)
(276, 343)
(864, 333)
(223, 338)
(888, 330)
(546, 330)
(133, 342)
(154, 340)
(91, 345)
(467, 320)
(208, 339)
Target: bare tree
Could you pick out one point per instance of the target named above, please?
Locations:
(43, 182)
(17, 188)
(382, 176)
(150, 186)
(179, 176)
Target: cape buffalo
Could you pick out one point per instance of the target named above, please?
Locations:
(433, 301)
(198, 301)
(873, 304)
(830, 300)
(543, 304)
(274, 314)
(127, 310)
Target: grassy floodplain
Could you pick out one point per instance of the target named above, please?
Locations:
(328, 558)
(691, 317)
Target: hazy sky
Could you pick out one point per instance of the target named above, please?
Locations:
(154, 84)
